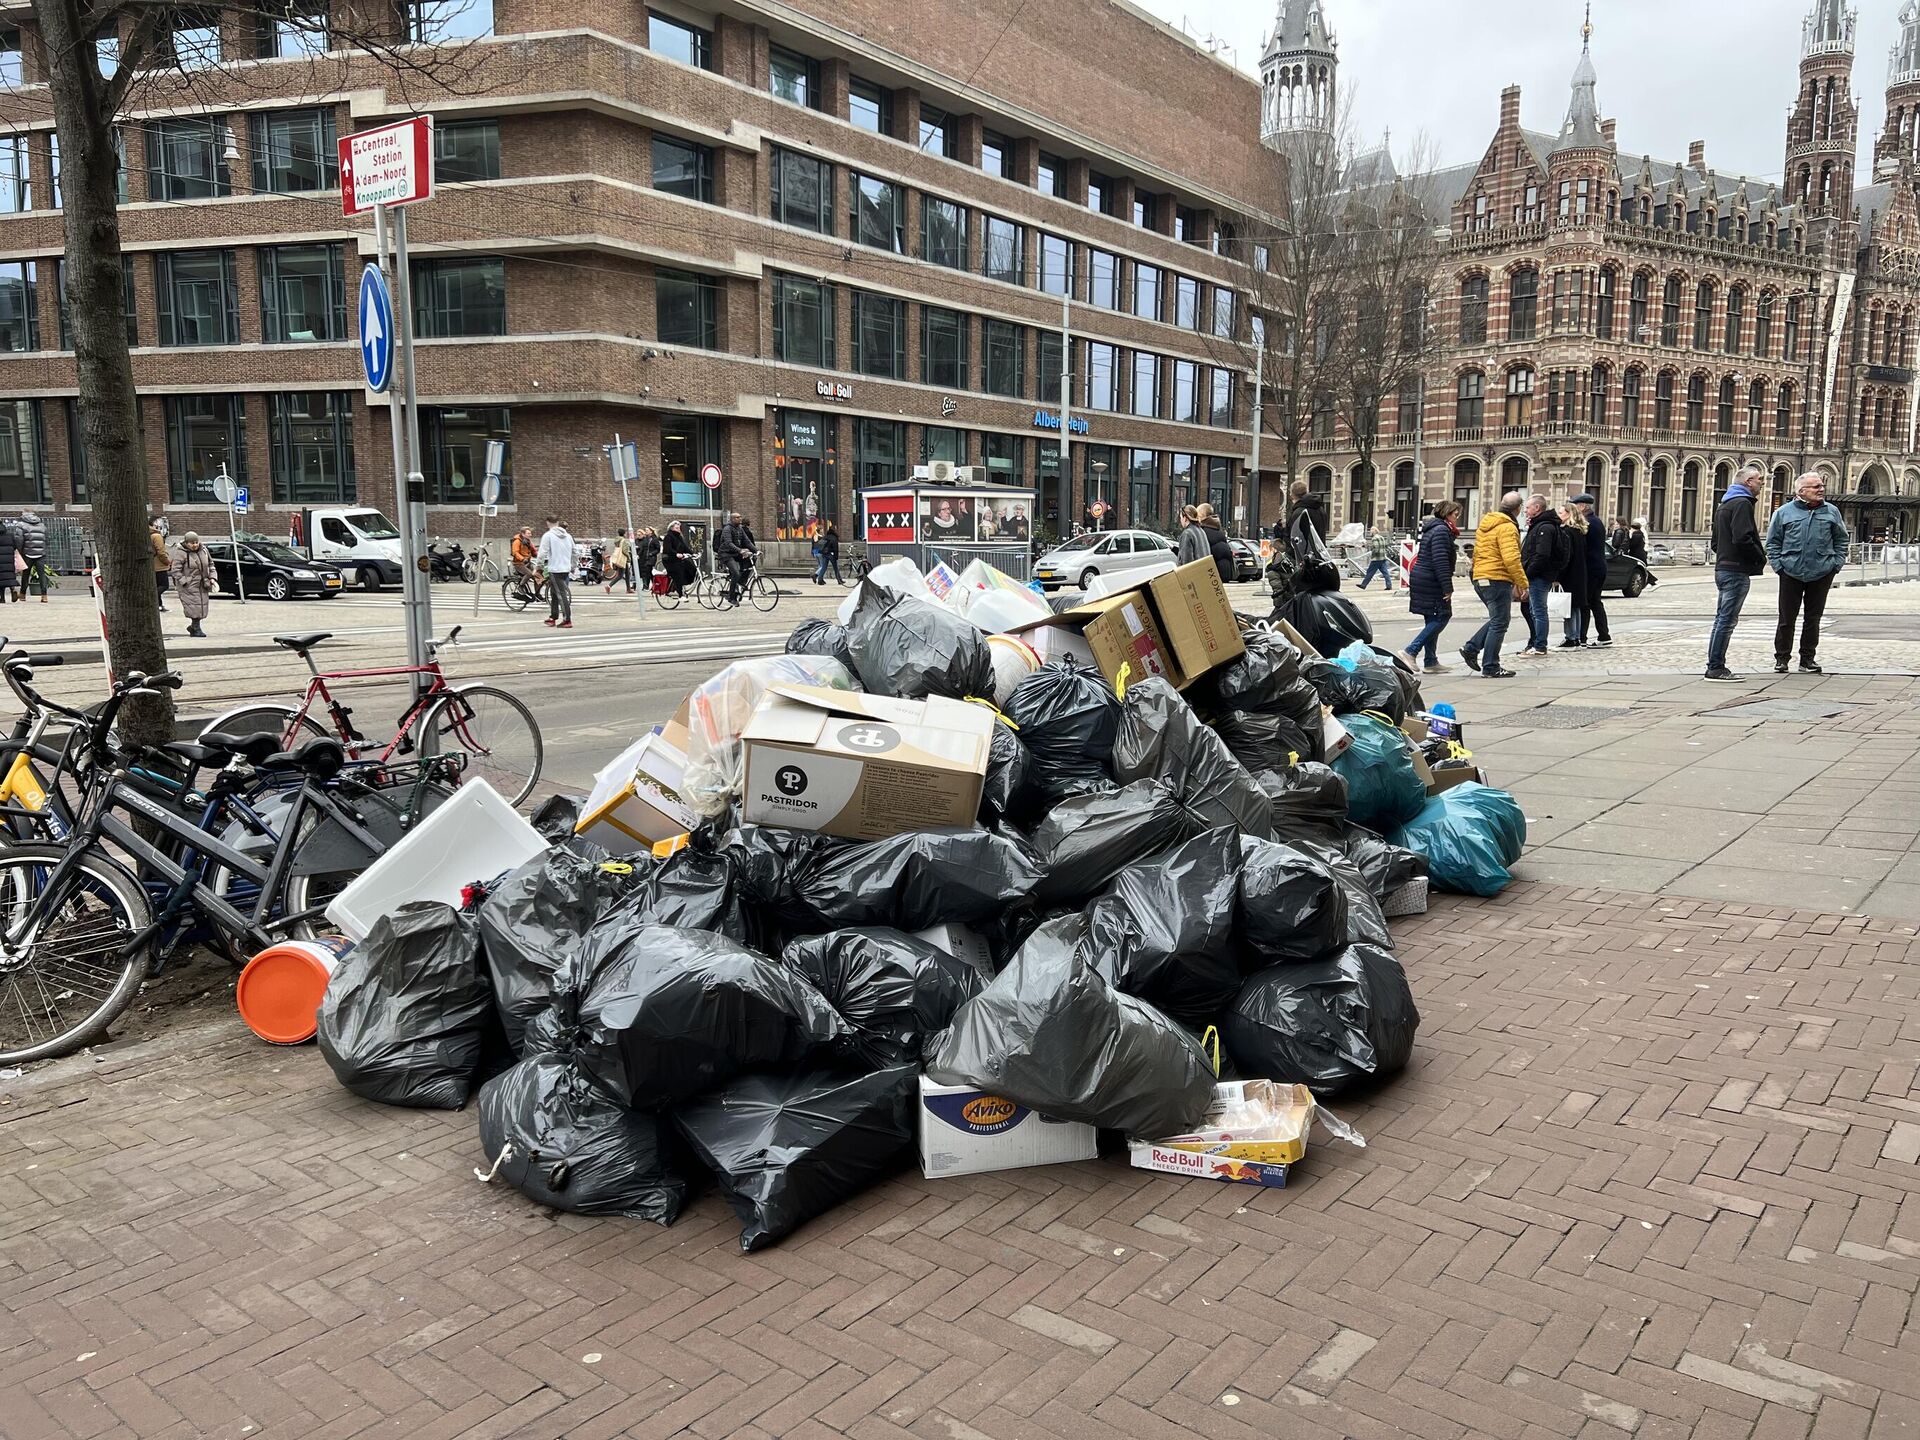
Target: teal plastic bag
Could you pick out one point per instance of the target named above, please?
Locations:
(1382, 788)
(1470, 835)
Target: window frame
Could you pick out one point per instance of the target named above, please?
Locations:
(998, 340)
(878, 98)
(936, 122)
(944, 344)
(1146, 366)
(894, 243)
(1114, 267)
(1470, 400)
(1048, 282)
(444, 160)
(203, 131)
(702, 166)
(787, 297)
(269, 260)
(1523, 306)
(704, 313)
(1475, 301)
(338, 418)
(778, 186)
(272, 145)
(698, 46)
(1150, 277)
(430, 320)
(179, 411)
(950, 258)
(1103, 359)
(166, 283)
(867, 305)
(801, 69)
(1017, 232)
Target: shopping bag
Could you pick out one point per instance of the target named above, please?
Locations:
(1559, 604)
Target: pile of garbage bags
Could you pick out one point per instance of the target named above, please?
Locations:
(1163, 886)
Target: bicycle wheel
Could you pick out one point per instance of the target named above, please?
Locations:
(669, 598)
(265, 720)
(64, 983)
(303, 892)
(763, 593)
(498, 733)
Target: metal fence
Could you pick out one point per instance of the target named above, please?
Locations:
(1015, 560)
(1881, 564)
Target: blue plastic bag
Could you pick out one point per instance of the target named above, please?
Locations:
(1470, 835)
(1355, 655)
(1382, 788)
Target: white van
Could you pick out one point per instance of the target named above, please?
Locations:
(363, 543)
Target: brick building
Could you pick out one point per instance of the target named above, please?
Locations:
(1642, 328)
(816, 243)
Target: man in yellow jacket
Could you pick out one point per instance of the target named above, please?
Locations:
(1499, 581)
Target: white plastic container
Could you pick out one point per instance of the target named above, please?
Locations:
(474, 836)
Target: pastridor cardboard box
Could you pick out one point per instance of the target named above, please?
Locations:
(863, 766)
(969, 1132)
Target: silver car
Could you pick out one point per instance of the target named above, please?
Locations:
(1076, 562)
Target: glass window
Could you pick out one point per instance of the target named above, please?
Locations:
(1763, 325)
(943, 348)
(1143, 486)
(1186, 302)
(442, 22)
(1262, 258)
(310, 437)
(677, 40)
(1186, 225)
(294, 152)
(1756, 407)
(943, 232)
(302, 294)
(1056, 265)
(453, 443)
(686, 443)
(1223, 312)
(1663, 401)
(879, 453)
(803, 321)
(53, 161)
(1473, 310)
(1696, 402)
(1630, 398)
(1736, 317)
(195, 38)
(802, 191)
(878, 218)
(1004, 356)
(879, 336)
(687, 309)
(186, 159)
(942, 442)
(794, 78)
(1146, 384)
(683, 168)
(1569, 302)
(1703, 315)
(1003, 251)
(23, 476)
(1639, 332)
(106, 50)
(11, 71)
(295, 29)
(76, 454)
(1002, 455)
(994, 150)
(1219, 482)
(1523, 298)
(1220, 398)
(936, 132)
(197, 298)
(1146, 291)
(1100, 193)
(1103, 279)
(1103, 391)
(1048, 180)
(1519, 396)
(1783, 413)
(1407, 416)
(1603, 303)
(1182, 468)
(1048, 360)
(466, 150)
(1723, 410)
(205, 435)
(1791, 338)
(1186, 392)
(1470, 401)
(16, 186)
(1670, 312)
(1143, 210)
(460, 297)
(870, 106)
(1597, 397)
(19, 314)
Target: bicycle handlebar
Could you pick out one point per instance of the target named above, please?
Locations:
(453, 638)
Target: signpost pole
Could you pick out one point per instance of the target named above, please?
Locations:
(624, 476)
(1066, 416)
(489, 502)
(413, 523)
(395, 420)
(223, 491)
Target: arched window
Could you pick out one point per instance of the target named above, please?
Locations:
(1868, 340)
(1630, 397)
(1864, 425)
(1703, 315)
(1670, 312)
(1756, 407)
(1690, 497)
(1781, 475)
(1473, 310)
(1657, 495)
(1763, 325)
(1638, 332)
(1596, 477)
(1880, 415)
(1406, 497)
(1722, 478)
(1906, 335)
(1792, 337)
(1466, 486)
(1736, 317)
(1469, 404)
(1663, 401)
(1783, 413)
(1603, 302)
(1696, 402)
(1597, 396)
(1724, 415)
(1519, 396)
(1513, 474)
(1623, 494)
(1523, 303)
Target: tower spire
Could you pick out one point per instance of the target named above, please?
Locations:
(1900, 136)
(1822, 131)
(1581, 130)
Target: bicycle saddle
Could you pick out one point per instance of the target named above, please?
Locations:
(254, 747)
(302, 642)
(322, 758)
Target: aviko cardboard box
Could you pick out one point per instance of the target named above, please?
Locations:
(968, 1132)
(863, 766)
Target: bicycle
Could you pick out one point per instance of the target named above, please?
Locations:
(486, 568)
(755, 588)
(523, 588)
(667, 595)
(497, 732)
(35, 798)
(153, 863)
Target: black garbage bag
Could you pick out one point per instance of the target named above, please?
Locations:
(698, 887)
(1329, 622)
(1163, 930)
(822, 637)
(1333, 1026)
(1366, 921)
(1367, 687)
(1160, 738)
(786, 1148)
(1291, 905)
(1262, 740)
(1085, 841)
(1265, 678)
(536, 918)
(893, 989)
(1067, 716)
(1051, 1034)
(1004, 796)
(1309, 801)
(922, 878)
(1404, 676)
(556, 817)
(904, 646)
(1383, 788)
(1385, 865)
(658, 1015)
(570, 1144)
(408, 1017)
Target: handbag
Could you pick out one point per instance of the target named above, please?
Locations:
(19, 563)
(1559, 604)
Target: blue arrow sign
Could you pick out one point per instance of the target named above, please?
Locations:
(376, 329)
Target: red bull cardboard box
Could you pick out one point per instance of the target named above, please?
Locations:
(964, 1131)
(1253, 1132)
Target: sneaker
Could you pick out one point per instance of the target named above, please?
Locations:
(1572, 644)
(1531, 654)
(1807, 667)
(1601, 644)
(1471, 657)
(1779, 667)
(1437, 669)
(1722, 673)
(549, 622)
(566, 625)
(1499, 674)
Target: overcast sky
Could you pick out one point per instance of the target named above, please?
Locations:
(1722, 71)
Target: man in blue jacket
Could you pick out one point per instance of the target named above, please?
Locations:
(1807, 546)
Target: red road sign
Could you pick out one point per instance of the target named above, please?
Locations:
(392, 165)
(710, 476)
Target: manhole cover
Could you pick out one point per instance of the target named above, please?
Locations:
(1559, 717)
(1781, 709)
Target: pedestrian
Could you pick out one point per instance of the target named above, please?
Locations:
(1591, 604)
(1193, 540)
(619, 563)
(1208, 524)
(646, 555)
(1573, 578)
(162, 561)
(1430, 586)
(193, 581)
(1380, 557)
(1544, 555)
(1620, 538)
(1307, 540)
(12, 562)
(33, 550)
(1807, 546)
(1738, 556)
(677, 557)
(829, 549)
(735, 549)
(555, 556)
(1637, 542)
(1499, 580)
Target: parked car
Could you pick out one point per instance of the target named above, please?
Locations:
(276, 571)
(1246, 560)
(1660, 553)
(1072, 564)
(1626, 574)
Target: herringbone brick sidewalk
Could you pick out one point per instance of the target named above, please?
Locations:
(1651, 1172)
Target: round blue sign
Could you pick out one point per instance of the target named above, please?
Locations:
(376, 329)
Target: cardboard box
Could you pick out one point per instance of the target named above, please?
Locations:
(1184, 629)
(1125, 638)
(863, 766)
(1297, 640)
(1198, 1165)
(963, 943)
(1252, 1133)
(1447, 776)
(969, 1132)
(1191, 605)
(635, 803)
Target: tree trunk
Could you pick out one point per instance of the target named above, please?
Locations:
(109, 408)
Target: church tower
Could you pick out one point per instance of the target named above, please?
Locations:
(1298, 78)
(1825, 121)
(1900, 139)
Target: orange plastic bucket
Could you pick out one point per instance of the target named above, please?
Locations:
(280, 990)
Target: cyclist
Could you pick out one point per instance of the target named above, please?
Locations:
(522, 551)
(555, 557)
(678, 558)
(736, 549)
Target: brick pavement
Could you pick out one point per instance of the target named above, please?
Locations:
(1649, 1173)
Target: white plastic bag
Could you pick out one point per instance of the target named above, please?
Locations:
(718, 710)
(1559, 604)
(900, 575)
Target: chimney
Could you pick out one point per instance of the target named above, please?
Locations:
(1510, 105)
(1606, 131)
(1697, 155)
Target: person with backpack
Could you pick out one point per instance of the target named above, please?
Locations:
(1544, 555)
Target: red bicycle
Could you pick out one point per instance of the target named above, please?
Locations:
(497, 732)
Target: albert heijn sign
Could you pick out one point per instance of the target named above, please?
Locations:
(391, 165)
